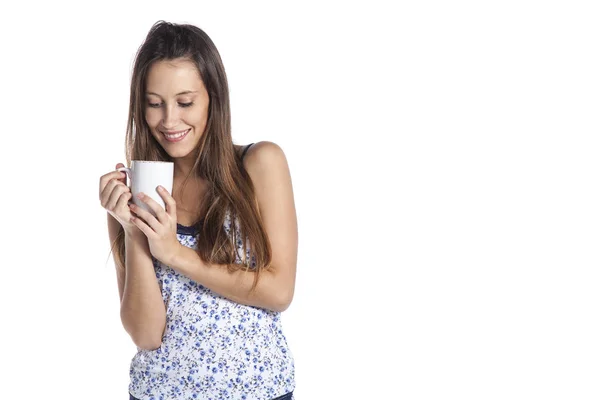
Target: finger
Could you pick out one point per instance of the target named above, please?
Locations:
(105, 198)
(124, 179)
(147, 217)
(108, 189)
(160, 213)
(105, 179)
(122, 202)
(115, 195)
(142, 226)
(171, 205)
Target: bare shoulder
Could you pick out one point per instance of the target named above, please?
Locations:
(267, 166)
(263, 157)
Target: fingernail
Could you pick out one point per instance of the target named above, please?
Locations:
(140, 195)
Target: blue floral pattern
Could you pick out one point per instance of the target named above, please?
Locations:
(212, 348)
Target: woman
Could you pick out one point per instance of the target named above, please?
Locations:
(201, 304)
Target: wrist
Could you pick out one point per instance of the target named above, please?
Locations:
(176, 256)
(133, 232)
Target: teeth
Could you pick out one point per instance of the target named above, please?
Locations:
(177, 135)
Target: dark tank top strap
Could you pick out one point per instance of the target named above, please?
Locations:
(245, 150)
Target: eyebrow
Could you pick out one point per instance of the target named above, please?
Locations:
(178, 94)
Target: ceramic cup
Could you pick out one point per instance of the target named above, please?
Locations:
(145, 177)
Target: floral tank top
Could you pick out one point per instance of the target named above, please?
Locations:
(213, 347)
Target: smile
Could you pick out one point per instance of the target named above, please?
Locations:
(176, 137)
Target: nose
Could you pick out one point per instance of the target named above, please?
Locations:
(170, 117)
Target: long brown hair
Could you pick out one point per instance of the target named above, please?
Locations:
(230, 191)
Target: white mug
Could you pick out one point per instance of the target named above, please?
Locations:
(145, 176)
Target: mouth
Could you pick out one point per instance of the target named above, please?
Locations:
(175, 136)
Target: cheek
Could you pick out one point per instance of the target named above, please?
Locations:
(152, 117)
(195, 118)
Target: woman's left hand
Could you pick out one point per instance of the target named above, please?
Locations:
(161, 230)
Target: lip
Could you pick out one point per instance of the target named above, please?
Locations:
(173, 133)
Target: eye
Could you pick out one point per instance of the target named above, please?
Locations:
(157, 105)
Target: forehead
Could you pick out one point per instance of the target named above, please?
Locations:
(167, 77)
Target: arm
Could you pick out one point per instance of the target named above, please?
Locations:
(143, 311)
(113, 230)
(267, 166)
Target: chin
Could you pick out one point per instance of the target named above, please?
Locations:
(178, 153)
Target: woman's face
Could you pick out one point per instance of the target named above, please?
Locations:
(176, 105)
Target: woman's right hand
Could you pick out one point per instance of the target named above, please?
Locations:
(115, 195)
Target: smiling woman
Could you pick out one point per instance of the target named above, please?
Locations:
(177, 109)
(203, 281)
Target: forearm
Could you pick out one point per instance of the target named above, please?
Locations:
(143, 311)
(120, 281)
(113, 229)
(271, 291)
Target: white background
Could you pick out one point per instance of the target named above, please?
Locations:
(444, 157)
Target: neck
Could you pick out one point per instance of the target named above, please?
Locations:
(182, 167)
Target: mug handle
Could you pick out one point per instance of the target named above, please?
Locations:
(128, 173)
